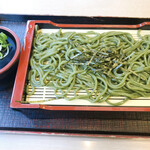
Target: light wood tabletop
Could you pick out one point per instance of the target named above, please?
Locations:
(10, 141)
(119, 8)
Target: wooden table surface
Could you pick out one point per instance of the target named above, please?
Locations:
(60, 142)
(117, 8)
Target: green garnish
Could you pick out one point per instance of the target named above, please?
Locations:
(4, 45)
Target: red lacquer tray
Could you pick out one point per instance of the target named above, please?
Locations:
(24, 61)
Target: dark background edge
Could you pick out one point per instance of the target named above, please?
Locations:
(74, 19)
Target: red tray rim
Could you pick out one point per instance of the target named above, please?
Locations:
(23, 66)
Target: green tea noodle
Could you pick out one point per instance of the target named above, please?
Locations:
(102, 65)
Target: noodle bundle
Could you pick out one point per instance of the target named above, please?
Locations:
(102, 65)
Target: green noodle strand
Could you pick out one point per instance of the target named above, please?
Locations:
(91, 66)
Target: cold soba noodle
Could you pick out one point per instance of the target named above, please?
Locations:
(103, 65)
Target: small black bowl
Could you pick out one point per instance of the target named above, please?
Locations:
(9, 63)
